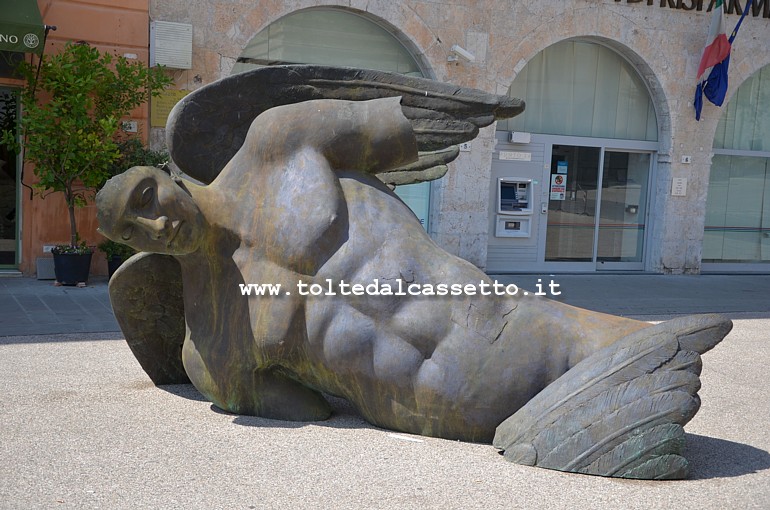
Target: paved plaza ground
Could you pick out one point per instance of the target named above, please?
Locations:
(81, 425)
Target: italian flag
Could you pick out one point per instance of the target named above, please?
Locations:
(717, 45)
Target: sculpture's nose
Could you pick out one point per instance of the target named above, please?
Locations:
(155, 228)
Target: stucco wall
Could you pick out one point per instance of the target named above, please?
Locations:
(118, 26)
(664, 43)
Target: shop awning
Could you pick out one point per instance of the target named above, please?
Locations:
(21, 26)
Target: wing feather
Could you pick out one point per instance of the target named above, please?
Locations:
(661, 440)
(664, 467)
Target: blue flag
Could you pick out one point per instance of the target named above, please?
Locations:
(714, 87)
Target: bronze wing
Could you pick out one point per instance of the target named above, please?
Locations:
(621, 411)
(208, 126)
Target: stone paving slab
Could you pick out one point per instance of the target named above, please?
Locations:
(81, 426)
(37, 307)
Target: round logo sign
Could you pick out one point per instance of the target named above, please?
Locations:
(31, 41)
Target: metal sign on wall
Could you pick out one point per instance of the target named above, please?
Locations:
(161, 106)
(758, 8)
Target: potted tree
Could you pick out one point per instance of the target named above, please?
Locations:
(72, 108)
(116, 254)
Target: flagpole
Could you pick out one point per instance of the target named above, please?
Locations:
(738, 25)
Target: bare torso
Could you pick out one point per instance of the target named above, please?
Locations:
(448, 366)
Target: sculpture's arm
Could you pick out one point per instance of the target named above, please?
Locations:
(276, 396)
(366, 136)
(268, 392)
(209, 125)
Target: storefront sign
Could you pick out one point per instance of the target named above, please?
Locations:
(758, 8)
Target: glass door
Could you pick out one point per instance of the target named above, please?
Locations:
(572, 203)
(8, 184)
(597, 208)
(623, 210)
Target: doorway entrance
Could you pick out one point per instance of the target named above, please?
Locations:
(9, 185)
(590, 204)
(597, 206)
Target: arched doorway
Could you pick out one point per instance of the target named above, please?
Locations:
(332, 36)
(737, 228)
(582, 156)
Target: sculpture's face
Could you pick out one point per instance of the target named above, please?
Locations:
(145, 209)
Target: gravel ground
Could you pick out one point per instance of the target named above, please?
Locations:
(82, 426)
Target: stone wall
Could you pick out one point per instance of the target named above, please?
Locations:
(665, 45)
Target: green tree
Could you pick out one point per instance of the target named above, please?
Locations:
(72, 108)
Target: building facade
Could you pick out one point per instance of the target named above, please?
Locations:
(30, 223)
(606, 170)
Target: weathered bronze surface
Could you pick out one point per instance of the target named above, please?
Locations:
(150, 312)
(299, 201)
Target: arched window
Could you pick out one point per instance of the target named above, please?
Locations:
(331, 37)
(737, 227)
(341, 38)
(581, 88)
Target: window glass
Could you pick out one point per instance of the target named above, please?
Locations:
(737, 226)
(738, 210)
(580, 88)
(745, 123)
(330, 37)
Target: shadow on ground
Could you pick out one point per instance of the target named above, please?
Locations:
(709, 457)
(712, 457)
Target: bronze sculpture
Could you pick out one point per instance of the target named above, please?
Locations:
(293, 197)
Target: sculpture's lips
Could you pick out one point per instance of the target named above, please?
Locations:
(174, 233)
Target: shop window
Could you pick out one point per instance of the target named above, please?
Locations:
(738, 210)
(737, 226)
(580, 88)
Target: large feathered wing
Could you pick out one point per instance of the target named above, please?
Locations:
(621, 411)
(146, 296)
(208, 126)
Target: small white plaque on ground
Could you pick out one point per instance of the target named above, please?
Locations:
(405, 438)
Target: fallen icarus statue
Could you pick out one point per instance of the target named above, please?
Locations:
(292, 165)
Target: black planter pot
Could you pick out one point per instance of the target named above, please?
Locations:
(113, 263)
(71, 268)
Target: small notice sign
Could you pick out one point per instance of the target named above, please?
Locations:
(558, 187)
(679, 187)
(161, 106)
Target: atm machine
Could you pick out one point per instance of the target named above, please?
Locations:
(514, 207)
(518, 206)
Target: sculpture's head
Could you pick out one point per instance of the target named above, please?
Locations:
(145, 209)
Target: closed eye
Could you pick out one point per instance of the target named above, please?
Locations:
(147, 194)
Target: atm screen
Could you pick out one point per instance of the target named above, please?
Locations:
(511, 198)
